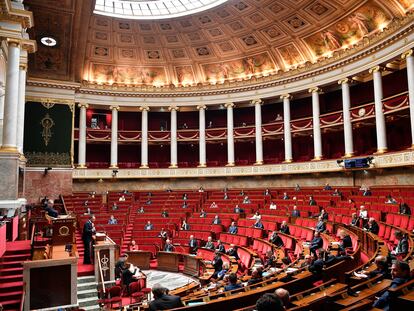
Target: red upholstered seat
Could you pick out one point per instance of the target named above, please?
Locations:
(115, 298)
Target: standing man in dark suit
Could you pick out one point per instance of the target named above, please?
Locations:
(162, 301)
(316, 243)
(217, 264)
(87, 237)
(193, 244)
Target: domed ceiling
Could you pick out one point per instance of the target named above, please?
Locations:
(233, 41)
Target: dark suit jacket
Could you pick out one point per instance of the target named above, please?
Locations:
(295, 213)
(210, 245)
(320, 226)
(221, 248)
(216, 221)
(276, 240)
(193, 245)
(165, 302)
(402, 247)
(168, 248)
(346, 242)
(127, 277)
(374, 228)
(316, 243)
(217, 264)
(384, 301)
(87, 231)
(258, 225)
(285, 230)
(233, 252)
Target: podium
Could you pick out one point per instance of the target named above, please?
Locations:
(168, 261)
(141, 259)
(104, 251)
(63, 230)
(192, 265)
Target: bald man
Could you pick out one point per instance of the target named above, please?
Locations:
(284, 296)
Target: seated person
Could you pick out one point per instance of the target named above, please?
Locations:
(232, 283)
(216, 220)
(128, 275)
(316, 243)
(270, 260)
(401, 250)
(133, 246)
(220, 247)
(272, 205)
(168, 246)
(367, 192)
(217, 263)
(238, 209)
(404, 209)
(226, 196)
(149, 201)
(400, 272)
(121, 198)
(193, 245)
(295, 211)
(185, 196)
(164, 213)
(209, 244)
(320, 226)
(285, 196)
(346, 241)
(256, 277)
(317, 265)
(50, 210)
(224, 269)
(163, 301)
(233, 228)
(141, 210)
(324, 214)
(201, 189)
(275, 239)
(256, 216)
(258, 224)
(148, 226)
(337, 193)
(372, 226)
(382, 268)
(297, 187)
(114, 207)
(163, 234)
(112, 220)
(88, 211)
(327, 187)
(241, 193)
(390, 200)
(246, 200)
(120, 265)
(213, 205)
(203, 214)
(312, 201)
(354, 219)
(185, 226)
(268, 302)
(185, 204)
(284, 228)
(232, 251)
(363, 214)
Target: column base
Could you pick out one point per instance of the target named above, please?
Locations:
(173, 166)
(317, 158)
(288, 161)
(381, 151)
(144, 166)
(412, 147)
(202, 165)
(114, 166)
(230, 164)
(348, 155)
(8, 149)
(81, 166)
(258, 163)
(22, 157)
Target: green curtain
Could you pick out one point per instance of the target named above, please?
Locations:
(48, 134)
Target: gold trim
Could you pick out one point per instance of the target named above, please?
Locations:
(258, 163)
(344, 81)
(142, 108)
(113, 166)
(9, 149)
(144, 166)
(407, 54)
(314, 89)
(376, 69)
(257, 101)
(286, 96)
(114, 107)
(201, 165)
(348, 155)
(171, 108)
(317, 158)
(81, 166)
(288, 161)
(229, 105)
(381, 150)
(14, 42)
(201, 107)
(230, 164)
(173, 166)
(80, 105)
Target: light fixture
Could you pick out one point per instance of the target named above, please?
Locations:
(48, 41)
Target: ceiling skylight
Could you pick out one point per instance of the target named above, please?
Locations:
(152, 9)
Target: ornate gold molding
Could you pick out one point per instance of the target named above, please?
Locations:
(83, 105)
(344, 81)
(144, 108)
(175, 108)
(257, 101)
(199, 107)
(377, 68)
(114, 108)
(407, 54)
(229, 105)
(314, 89)
(286, 96)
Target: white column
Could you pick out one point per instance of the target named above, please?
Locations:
(21, 107)
(286, 127)
(144, 136)
(408, 56)
(258, 130)
(379, 113)
(317, 137)
(346, 114)
(230, 134)
(202, 135)
(11, 99)
(114, 137)
(82, 136)
(173, 142)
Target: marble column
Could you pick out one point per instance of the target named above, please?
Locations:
(202, 135)
(258, 130)
(173, 142)
(21, 107)
(144, 136)
(114, 137)
(346, 115)
(317, 137)
(409, 58)
(11, 99)
(286, 127)
(379, 113)
(230, 134)
(82, 136)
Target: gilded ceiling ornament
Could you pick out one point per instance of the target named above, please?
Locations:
(48, 104)
(47, 124)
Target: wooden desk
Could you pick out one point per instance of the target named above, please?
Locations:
(168, 261)
(312, 298)
(141, 259)
(192, 265)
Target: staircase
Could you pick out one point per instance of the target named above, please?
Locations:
(88, 293)
(79, 245)
(11, 274)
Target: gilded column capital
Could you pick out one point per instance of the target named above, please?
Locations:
(377, 68)
(144, 108)
(83, 105)
(199, 107)
(171, 108)
(257, 101)
(229, 105)
(407, 54)
(29, 45)
(13, 41)
(114, 107)
(285, 96)
(314, 89)
(344, 81)
(23, 66)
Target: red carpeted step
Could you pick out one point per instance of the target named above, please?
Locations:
(10, 286)
(11, 278)
(10, 271)
(17, 293)
(14, 257)
(9, 304)
(10, 264)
